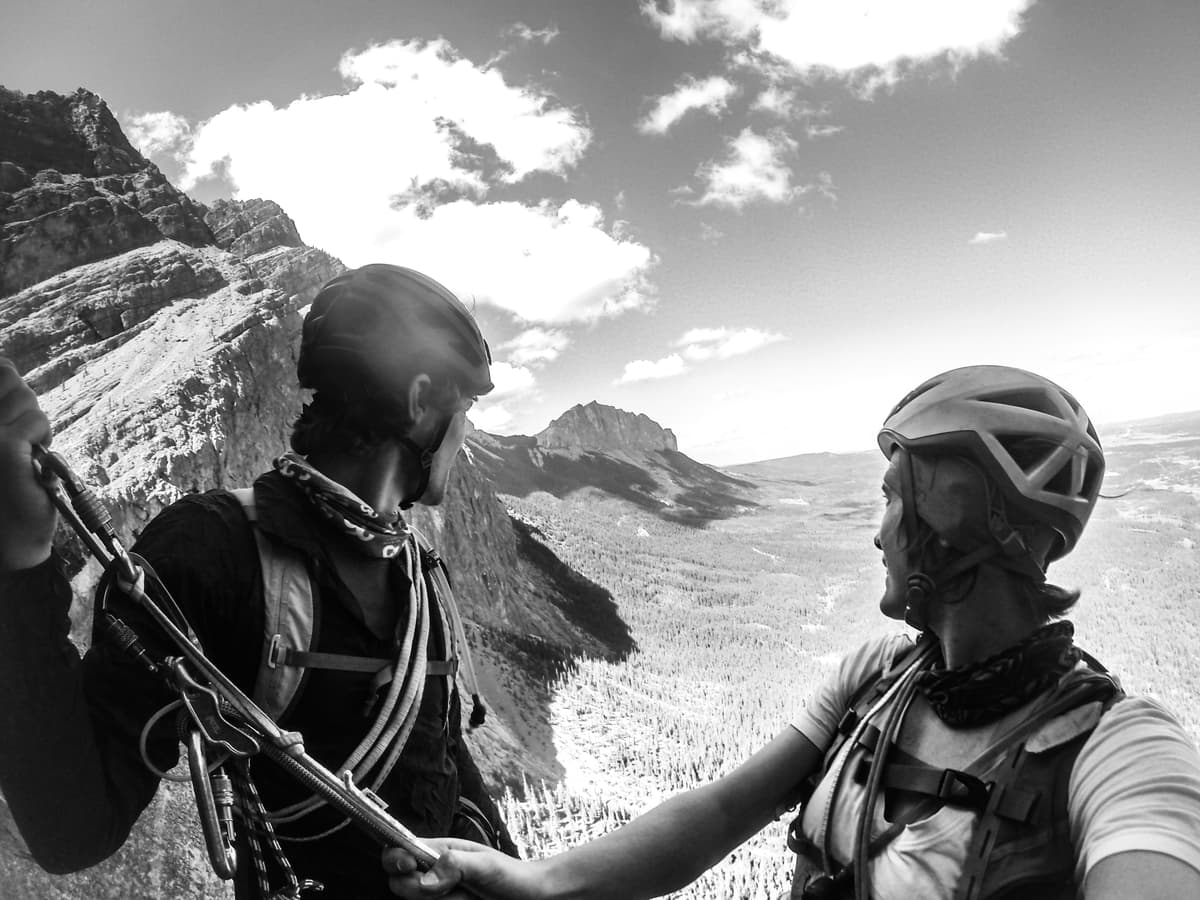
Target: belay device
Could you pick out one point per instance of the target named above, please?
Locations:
(219, 717)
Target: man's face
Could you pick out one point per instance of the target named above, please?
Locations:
(447, 455)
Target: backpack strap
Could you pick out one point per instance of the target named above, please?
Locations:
(291, 623)
(290, 616)
(1049, 747)
(456, 644)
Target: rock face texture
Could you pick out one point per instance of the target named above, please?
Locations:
(607, 429)
(75, 191)
(161, 338)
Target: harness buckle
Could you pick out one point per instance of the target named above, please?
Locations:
(958, 788)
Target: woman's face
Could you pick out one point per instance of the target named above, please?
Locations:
(890, 540)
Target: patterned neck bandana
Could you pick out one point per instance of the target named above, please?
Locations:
(349, 514)
(988, 690)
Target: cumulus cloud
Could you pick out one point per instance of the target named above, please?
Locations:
(872, 42)
(400, 167)
(492, 418)
(536, 346)
(647, 369)
(711, 95)
(988, 237)
(509, 380)
(722, 343)
(157, 132)
(699, 345)
(754, 170)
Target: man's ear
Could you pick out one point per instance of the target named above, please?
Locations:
(419, 390)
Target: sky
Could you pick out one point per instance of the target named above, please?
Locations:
(759, 222)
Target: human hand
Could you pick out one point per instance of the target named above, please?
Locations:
(464, 870)
(29, 518)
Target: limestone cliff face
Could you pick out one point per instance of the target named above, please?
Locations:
(247, 227)
(598, 427)
(161, 337)
(73, 190)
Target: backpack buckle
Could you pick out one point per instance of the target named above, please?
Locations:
(958, 788)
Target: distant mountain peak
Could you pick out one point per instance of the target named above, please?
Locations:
(596, 426)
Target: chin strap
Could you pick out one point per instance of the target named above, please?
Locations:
(425, 458)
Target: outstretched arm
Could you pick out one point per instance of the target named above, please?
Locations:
(659, 852)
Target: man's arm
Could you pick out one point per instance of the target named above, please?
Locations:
(52, 770)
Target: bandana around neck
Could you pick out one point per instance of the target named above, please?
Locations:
(347, 512)
(982, 692)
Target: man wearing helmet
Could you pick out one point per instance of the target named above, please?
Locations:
(989, 758)
(394, 360)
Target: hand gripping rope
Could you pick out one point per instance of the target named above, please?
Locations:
(218, 714)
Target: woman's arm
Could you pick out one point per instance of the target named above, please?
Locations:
(1142, 874)
(659, 852)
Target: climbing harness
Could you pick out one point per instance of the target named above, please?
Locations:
(1021, 836)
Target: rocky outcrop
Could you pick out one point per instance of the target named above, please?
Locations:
(73, 190)
(597, 427)
(249, 227)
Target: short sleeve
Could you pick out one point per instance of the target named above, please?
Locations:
(1136, 786)
(825, 707)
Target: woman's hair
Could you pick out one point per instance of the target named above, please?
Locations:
(1049, 601)
(357, 422)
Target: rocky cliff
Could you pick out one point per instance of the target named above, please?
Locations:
(161, 338)
(593, 447)
(594, 426)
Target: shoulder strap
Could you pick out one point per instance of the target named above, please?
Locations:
(289, 612)
(1078, 690)
(460, 651)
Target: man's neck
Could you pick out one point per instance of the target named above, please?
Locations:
(379, 478)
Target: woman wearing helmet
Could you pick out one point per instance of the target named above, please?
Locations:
(988, 758)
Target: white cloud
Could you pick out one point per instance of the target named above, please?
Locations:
(698, 345)
(523, 32)
(157, 132)
(871, 42)
(399, 168)
(722, 343)
(545, 264)
(753, 171)
(536, 346)
(509, 379)
(646, 369)
(491, 418)
(988, 237)
(711, 95)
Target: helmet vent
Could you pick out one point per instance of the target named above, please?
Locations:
(1037, 401)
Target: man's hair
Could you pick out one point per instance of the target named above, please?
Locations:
(357, 422)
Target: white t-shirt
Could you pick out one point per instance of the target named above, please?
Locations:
(1135, 786)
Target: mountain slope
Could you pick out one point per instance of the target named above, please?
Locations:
(615, 452)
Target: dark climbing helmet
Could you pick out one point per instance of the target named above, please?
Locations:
(380, 325)
(1029, 435)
